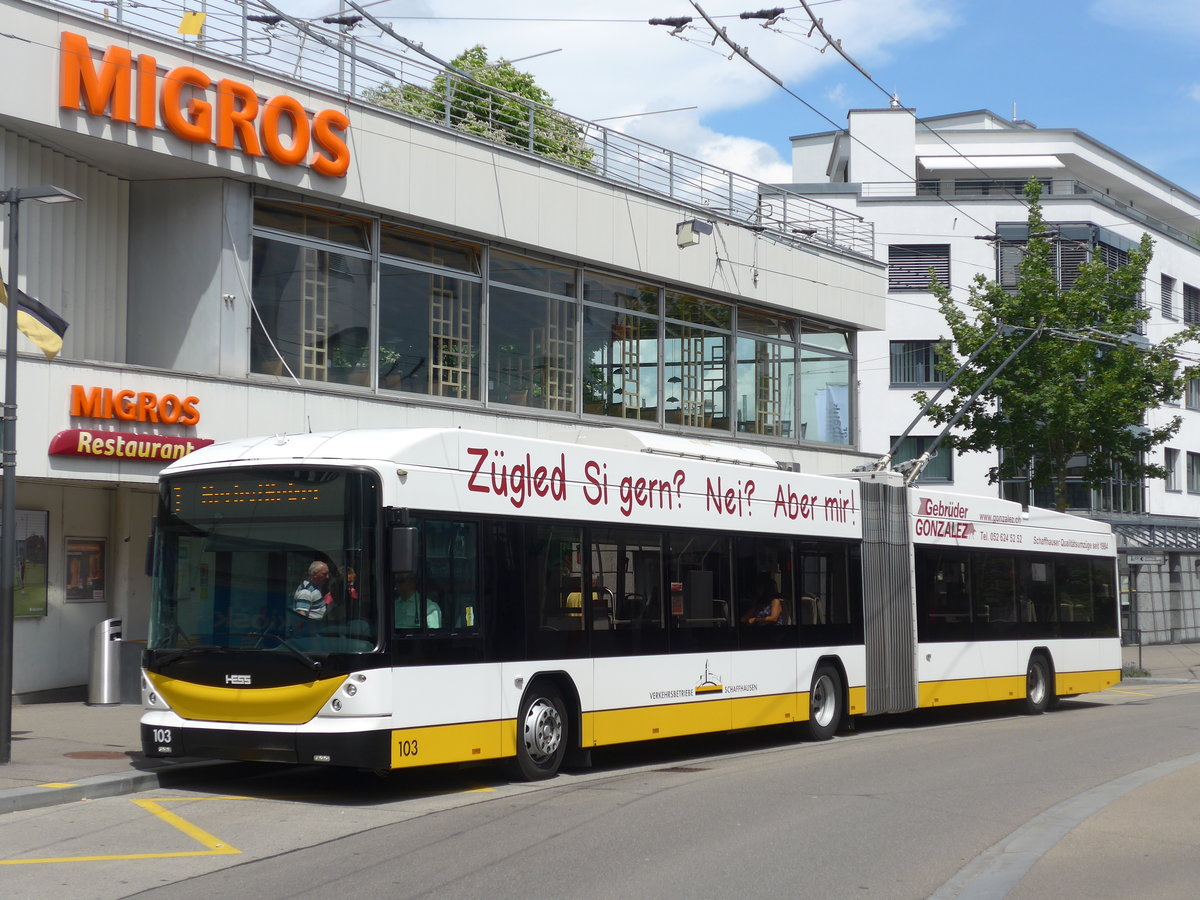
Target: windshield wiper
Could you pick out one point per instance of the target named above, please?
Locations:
(295, 651)
(287, 645)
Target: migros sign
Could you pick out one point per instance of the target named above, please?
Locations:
(128, 406)
(133, 406)
(234, 119)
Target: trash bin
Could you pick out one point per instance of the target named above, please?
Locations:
(104, 684)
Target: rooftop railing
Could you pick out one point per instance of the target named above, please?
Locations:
(335, 54)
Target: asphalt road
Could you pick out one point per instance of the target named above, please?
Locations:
(893, 810)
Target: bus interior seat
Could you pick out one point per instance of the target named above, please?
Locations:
(812, 610)
(631, 606)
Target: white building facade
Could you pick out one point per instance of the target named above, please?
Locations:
(261, 252)
(946, 193)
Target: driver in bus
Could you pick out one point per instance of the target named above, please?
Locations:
(408, 604)
(313, 597)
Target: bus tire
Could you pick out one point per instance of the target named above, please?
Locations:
(824, 704)
(1037, 685)
(542, 733)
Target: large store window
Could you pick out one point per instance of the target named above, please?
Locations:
(312, 297)
(620, 348)
(766, 373)
(531, 337)
(696, 361)
(430, 302)
(825, 379)
(349, 300)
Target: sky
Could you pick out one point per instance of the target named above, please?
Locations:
(1125, 72)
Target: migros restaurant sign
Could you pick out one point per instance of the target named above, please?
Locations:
(128, 406)
(194, 107)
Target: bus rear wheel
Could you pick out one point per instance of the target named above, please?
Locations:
(824, 704)
(541, 733)
(1038, 692)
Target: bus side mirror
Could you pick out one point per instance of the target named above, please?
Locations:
(404, 548)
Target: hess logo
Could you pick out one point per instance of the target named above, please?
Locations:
(237, 679)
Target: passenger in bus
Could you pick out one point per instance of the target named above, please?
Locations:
(768, 608)
(408, 604)
(312, 597)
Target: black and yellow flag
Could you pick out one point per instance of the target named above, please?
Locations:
(37, 322)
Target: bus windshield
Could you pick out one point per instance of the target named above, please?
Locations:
(267, 558)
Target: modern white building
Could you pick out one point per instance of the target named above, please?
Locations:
(946, 192)
(259, 250)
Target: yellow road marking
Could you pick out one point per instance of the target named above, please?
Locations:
(1129, 693)
(57, 784)
(214, 845)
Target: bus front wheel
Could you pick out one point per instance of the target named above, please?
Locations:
(824, 704)
(1037, 685)
(541, 733)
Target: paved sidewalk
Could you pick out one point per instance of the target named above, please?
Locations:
(63, 752)
(1165, 661)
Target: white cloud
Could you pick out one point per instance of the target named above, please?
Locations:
(617, 64)
(837, 96)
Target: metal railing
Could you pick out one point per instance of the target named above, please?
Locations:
(332, 54)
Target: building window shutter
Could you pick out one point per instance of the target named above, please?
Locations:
(1008, 263)
(909, 265)
(1191, 305)
(1168, 296)
(1070, 257)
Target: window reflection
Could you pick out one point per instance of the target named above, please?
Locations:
(620, 375)
(428, 333)
(766, 387)
(559, 337)
(825, 398)
(315, 306)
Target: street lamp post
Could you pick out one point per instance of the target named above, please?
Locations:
(46, 193)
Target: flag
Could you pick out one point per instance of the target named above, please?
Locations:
(38, 322)
(192, 23)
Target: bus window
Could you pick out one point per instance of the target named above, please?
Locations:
(626, 573)
(993, 593)
(943, 594)
(451, 575)
(826, 595)
(441, 595)
(1104, 595)
(764, 568)
(556, 571)
(1035, 595)
(700, 581)
(1073, 581)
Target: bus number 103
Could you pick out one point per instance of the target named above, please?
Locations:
(408, 748)
(162, 735)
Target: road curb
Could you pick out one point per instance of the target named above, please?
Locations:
(96, 787)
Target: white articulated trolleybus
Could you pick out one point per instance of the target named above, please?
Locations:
(496, 597)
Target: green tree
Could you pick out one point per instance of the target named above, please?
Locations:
(496, 102)
(1081, 388)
